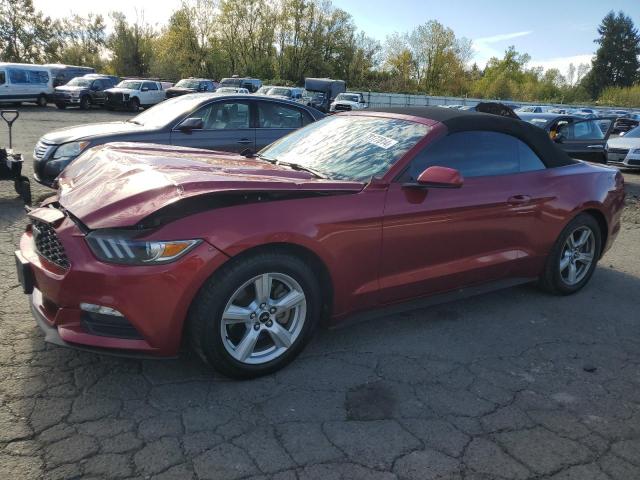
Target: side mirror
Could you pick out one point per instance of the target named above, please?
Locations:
(559, 138)
(191, 123)
(438, 177)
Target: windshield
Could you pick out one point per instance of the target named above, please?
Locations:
(283, 92)
(80, 82)
(164, 113)
(131, 85)
(348, 147)
(188, 83)
(348, 97)
(635, 133)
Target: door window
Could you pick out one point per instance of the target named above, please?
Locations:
(18, 76)
(224, 115)
(476, 154)
(3, 78)
(582, 130)
(151, 85)
(274, 115)
(37, 77)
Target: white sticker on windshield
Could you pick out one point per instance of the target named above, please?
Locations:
(381, 141)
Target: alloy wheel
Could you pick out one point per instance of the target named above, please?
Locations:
(263, 318)
(577, 255)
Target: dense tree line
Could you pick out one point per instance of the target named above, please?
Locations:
(284, 41)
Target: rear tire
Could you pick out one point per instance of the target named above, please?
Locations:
(41, 101)
(229, 313)
(574, 257)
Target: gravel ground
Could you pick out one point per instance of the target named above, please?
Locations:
(514, 384)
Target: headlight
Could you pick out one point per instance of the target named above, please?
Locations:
(120, 247)
(67, 150)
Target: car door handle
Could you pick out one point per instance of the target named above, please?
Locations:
(244, 141)
(595, 146)
(518, 199)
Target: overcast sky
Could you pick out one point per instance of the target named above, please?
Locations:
(553, 32)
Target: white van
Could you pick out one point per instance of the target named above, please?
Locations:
(21, 82)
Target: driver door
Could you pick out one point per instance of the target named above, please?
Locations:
(441, 239)
(585, 139)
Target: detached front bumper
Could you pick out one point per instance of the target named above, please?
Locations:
(153, 300)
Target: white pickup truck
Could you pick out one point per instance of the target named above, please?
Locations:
(133, 94)
(346, 102)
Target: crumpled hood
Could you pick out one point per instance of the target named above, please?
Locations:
(78, 132)
(119, 184)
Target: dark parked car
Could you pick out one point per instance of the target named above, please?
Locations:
(191, 85)
(214, 121)
(83, 91)
(581, 138)
(251, 84)
(147, 245)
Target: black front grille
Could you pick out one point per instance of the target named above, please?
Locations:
(114, 97)
(342, 108)
(618, 151)
(633, 162)
(47, 243)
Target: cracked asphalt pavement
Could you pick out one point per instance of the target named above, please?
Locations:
(514, 384)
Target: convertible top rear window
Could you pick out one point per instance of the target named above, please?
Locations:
(348, 147)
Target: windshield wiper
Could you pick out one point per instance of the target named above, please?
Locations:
(293, 166)
(298, 167)
(266, 159)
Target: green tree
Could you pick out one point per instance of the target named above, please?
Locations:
(26, 35)
(616, 62)
(83, 41)
(131, 47)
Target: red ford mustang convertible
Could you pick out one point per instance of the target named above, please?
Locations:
(147, 247)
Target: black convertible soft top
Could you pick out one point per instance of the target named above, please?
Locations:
(465, 120)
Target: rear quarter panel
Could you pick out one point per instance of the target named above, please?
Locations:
(565, 192)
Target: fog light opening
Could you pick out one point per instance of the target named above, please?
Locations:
(93, 308)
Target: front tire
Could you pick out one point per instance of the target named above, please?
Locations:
(134, 104)
(41, 101)
(60, 106)
(85, 103)
(574, 257)
(255, 315)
